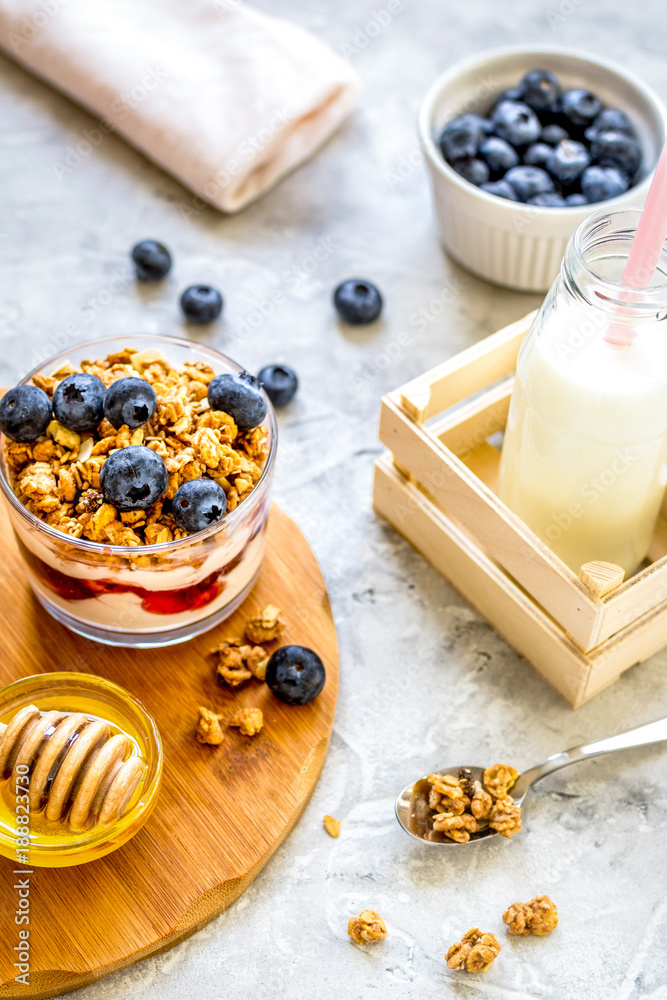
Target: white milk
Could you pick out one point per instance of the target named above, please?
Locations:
(584, 455)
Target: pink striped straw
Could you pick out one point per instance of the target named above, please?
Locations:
(646, 247)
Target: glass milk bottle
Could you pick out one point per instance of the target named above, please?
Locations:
(585, 449)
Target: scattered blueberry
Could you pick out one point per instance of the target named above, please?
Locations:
(78, 402)
(130, 401)
(25, 412)
(461, 137)
(576, 199)
(615, 149)
(133, 478)
(537, 154)
(601, 183)
(529, 181)
(580, 107)
(201, 303)
(474, 171)
(549, 199)
(198, 504)
(240, 396)
(501, 189)
(540, 90)
(498, 155)
(553, 134)
(610, 120)
(567, 161)
(280, 384)
(357, 301)
(295, 674)
(151, 259)
(515, 122)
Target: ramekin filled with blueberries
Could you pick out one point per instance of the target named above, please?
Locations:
(522, 145)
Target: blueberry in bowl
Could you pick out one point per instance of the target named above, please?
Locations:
(539, 125)
(78, 401)
(25, 413)
(240, 396)
(133, 478)
(130, 401)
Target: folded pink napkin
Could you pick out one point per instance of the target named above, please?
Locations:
(224, 97)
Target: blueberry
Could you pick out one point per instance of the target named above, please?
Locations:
(537, 154)
(357, 301)
(151, 259)
(198, 503)
(529, 181)
(240, 396)
(133, 478)
(550, 199)
(540, 90)
(78, 402)
(553, 134)
(611, 120)
(580, 107)
(515, 122)
(295, 674)
(567, 161)
(501, 189)
(280, 384)
(201, 303)
(615, 149)
(576, 199)
(25, 412)
(130, 401)
(498, 155)
(509, 94)
(461, 137)
(601, 183)
(474, 171)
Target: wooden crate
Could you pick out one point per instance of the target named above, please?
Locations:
(437, 488)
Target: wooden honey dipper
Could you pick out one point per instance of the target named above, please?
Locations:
(75, 763)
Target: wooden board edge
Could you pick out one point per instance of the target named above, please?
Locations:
(214, 902)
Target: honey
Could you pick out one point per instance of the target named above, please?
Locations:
(80, 764)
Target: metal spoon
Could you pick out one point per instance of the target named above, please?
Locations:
(412, 804)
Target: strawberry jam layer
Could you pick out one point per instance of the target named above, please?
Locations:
(156, 602)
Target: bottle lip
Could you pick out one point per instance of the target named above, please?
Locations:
(618, 224)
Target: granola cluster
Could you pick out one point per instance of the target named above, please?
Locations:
(474, 952)
(368, 926)
(539, 916)
(57, 476)
(241, 659)
(238, 661)
(462, 806)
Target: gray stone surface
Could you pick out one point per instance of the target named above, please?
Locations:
(425, 681)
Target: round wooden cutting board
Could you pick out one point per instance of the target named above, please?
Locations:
(222, 811)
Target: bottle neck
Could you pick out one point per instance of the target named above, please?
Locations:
(592, 270)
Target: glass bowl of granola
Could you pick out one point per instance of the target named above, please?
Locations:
(135, 577)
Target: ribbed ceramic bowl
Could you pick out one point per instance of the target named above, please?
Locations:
(507, 242)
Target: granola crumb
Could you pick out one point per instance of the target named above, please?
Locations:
(475, 952)
(368, 926)
(208, 728)
(248, 720)
(539, 916)
(239, 662)
(264, 625)
(331, 825)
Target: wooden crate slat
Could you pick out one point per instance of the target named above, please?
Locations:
(473, 423)
(502, 535)
(634, 598)
(454, 380)
(511, 611)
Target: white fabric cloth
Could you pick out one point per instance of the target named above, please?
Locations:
(225, 98)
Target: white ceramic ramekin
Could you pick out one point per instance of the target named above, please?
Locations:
(507, 242)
